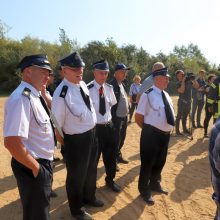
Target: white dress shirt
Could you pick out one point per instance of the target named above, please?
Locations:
(71, 112)
(26, 117)
(110, 100)
(151, 106)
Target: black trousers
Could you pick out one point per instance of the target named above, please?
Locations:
(131, 110)
(62, 151)
(120, 127)
(197, 105)
(81, 164)
(153, 152)
(106, 146)
(183, 110)
(34, 192)
(208, 116)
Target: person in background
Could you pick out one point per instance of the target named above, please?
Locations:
(75, 114)
(184, 88)
(148, 81)
(47, 93)
(214, 160)
(120, 110)
(208, 114)
(134, 89)
(155, 115)
(58, 80)
(198, 99)
(213, 101)
(30, 137)
(103, 98)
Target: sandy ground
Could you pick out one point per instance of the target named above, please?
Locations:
(186, 175)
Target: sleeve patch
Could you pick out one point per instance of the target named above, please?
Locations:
(26, 92)
(149, 90)
(64, 92)
(89, 86)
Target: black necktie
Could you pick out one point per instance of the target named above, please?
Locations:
(168, 111)
(43, 102)
(102, 109)
(85, 98)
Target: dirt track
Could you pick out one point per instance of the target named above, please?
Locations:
(186, 175)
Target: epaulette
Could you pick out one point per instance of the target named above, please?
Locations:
(64, 91)
(109, 85)
(149, 90)
(90, 85)
(26, 92)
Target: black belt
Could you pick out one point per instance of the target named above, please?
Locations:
(156, 129)
(86, 132)
(43, 161)
(104, 125)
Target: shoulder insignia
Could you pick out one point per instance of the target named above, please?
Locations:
(213, 85)
(26, 92)
(149, 90)
(107, 84)
(64, 92)
(89, 86)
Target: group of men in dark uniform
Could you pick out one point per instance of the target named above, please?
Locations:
(189, 87)
(90, 120)
(192, 91)
(89, 124)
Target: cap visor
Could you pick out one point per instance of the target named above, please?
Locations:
(44, 67)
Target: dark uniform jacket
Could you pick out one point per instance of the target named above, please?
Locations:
(213, 97)
(117, 92)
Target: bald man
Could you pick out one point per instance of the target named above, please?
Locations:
(148, 82)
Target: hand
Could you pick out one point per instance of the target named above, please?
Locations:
(36, 170)
(43, 90)
(210, 109)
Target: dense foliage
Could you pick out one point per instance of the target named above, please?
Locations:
(188, 57)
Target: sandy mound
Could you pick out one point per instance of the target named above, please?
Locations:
(186, 175)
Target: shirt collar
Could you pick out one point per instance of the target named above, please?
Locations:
(157, 89)
(70, 83)
(29, 86)
(98, 85)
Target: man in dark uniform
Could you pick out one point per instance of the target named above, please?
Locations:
(76, 116)
(214, 159)
(213, 98)
(184, 88)
(155, 115)
(121, 109)
(30, 138)
(198, 95)
(103, 98)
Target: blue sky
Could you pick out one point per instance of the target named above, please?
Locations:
(156, 25)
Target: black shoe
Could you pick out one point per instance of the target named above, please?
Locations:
(148, 199)
(113, 186)
(55, 159)
(206, 136)
(194, 125)
(95, 203)
(159, 189)
(53, 194)
(83, 216)
(117, 168)
(129, 122)
(178, 133)
(200, 126)
(121, 160)
(186, 131)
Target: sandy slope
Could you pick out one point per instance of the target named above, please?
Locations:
(186, 175)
